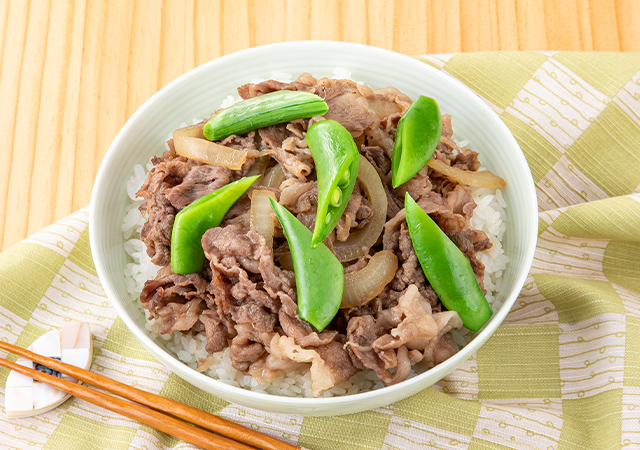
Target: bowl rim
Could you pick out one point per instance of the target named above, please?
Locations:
(409, 385)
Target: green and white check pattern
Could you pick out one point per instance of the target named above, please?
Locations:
(562, 372)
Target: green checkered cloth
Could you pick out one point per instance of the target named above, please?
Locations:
(563, 371)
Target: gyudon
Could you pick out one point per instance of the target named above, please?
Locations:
(237, 311)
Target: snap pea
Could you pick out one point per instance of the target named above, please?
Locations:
(262, 111)
(187, 255)
(336, 158)
(417, 137)
(446, 268)
(319, 274)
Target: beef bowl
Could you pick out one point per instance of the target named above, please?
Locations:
(239, 325)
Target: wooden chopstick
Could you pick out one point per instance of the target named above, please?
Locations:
(229, 434)
(151, 417)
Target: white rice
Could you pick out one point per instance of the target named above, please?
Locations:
(489, 216)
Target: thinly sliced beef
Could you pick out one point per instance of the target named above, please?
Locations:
(200, 181)
(447, 130)
(173, 183)
(376, 156)
(243, 268)
(291, 152)
(249, 286)
(300, 330)
(169, 287)
(305, 82)
(160, 213)
(346, 105)
(442, 347)
(215, 331)
(460, 201)
(338, 360)
(348, 219)
(400, 337)
(330, 365)
(470, 242)
(180, 316)
(255, 327)
(241, 142)
(300, 197)
(181, 302)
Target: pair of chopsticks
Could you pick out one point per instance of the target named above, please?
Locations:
(158, 412)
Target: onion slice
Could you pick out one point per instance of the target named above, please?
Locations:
(205, 363)
(258, 168)
(484, 178)
(365, 284)
(208, 152)
(274, 177)
(359, 242)
(194, 131)
(262, 216)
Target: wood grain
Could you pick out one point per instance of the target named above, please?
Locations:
(73, 71)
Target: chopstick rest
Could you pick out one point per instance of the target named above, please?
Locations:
(25, 397)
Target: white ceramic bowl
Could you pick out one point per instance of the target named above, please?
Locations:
(201, 90)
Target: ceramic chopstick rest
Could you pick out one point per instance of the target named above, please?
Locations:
(25, 397)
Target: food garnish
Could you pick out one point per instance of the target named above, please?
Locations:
(262, 111)
(319, 275)
(447, 269)
(187, 255)
(481, 178)
(417, 137)
(335, 156)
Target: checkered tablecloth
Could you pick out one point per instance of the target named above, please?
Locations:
(562, 372)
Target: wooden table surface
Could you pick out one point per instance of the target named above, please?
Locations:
(72, 72)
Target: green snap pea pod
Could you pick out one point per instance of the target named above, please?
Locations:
(262, 111)
(417, 137)
(446, 268)
(336, 158)
(187, 255)
(319, 274)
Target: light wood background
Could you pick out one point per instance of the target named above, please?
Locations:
(72, 72)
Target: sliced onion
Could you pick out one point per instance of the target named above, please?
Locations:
(364, 284)
(205, 363)
(258, 167)
(209, 152)
(484, 178)
(190, 131)
(274, 177)
(262, 217)
(359, 242)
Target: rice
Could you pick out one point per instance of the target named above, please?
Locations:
(489, 216)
